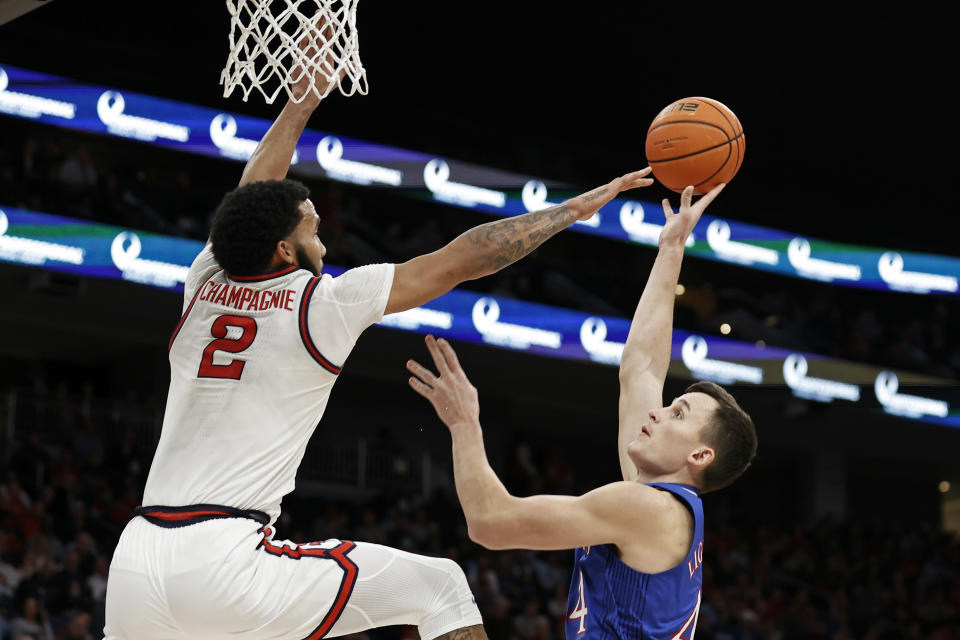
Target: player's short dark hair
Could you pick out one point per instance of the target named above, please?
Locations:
(732, 435)
(251, 220)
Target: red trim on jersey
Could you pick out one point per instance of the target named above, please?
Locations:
(183, 318)
(339, 554)
(305, 329)
(265, 276)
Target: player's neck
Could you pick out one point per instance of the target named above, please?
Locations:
(680, 477)
(278, 264)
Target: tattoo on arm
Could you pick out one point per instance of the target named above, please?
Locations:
(596, 193)
(513, 238)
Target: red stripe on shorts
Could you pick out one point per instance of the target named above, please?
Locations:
(337, 553)
(160, 515)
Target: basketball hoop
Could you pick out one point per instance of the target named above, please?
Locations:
(277, 45)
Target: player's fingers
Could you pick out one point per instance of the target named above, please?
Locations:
(421, 372)
(667, 209)
(328, 29)
(709, 196)
(637, 179)
(686, 198)
(450, 356)
(437, 355)
(421, 388)
(317, 23)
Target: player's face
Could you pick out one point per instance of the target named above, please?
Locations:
(671, 434)
(309, 250)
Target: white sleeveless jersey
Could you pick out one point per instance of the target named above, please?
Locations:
(252, 362)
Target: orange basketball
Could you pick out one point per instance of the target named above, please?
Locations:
(695, 141)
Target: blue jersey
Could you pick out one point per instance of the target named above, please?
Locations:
(610, 601)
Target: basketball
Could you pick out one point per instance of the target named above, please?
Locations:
(695, 141)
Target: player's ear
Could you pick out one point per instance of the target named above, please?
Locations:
(285, 252)
(701, 457)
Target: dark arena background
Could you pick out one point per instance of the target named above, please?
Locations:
(830, 309)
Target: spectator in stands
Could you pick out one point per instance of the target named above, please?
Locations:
(32, 621)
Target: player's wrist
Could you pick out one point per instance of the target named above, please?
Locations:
(306, 105)
(465, 428)
(672, 244)
(586, 204)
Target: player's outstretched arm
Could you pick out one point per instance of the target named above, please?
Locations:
(646, 355)
(624, 513)
(487, 248)
(271, 159)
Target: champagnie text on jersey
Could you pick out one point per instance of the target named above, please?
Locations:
(247, 299)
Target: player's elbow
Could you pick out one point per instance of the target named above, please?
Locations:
(479, 531)
(487, 532)
(470, 265)
(636, 368)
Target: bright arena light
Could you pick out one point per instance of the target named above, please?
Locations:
(725, 328)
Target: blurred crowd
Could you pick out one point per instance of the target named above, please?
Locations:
(68, 487)
(90, 178)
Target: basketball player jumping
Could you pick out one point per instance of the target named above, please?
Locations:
(252, 362)
(639, 543)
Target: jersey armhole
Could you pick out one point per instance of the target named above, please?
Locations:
(305, 328)
(693, 518)
(186, 312)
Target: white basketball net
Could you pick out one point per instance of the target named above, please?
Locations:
(295, 46)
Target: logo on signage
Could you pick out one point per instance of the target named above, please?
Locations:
(110, 109)
(486, 319)
(694, 354)
(886, 387)
(593, 338)
(330, 157)
(798, 253)
(819, 389)
(34, 252)
(30, 106)
(436, 175)
(891, 271)
(125, 252)
(413, 319)
(223, 135)
(718, 237)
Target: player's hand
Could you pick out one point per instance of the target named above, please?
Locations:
(318, 32)
(679, 225)
(632, 180)
(451, 394)
(590, 202)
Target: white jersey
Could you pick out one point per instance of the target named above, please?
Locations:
(252, 363)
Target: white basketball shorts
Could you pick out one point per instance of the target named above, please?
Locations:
(226, 577)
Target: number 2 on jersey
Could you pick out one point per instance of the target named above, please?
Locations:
(233, 371)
